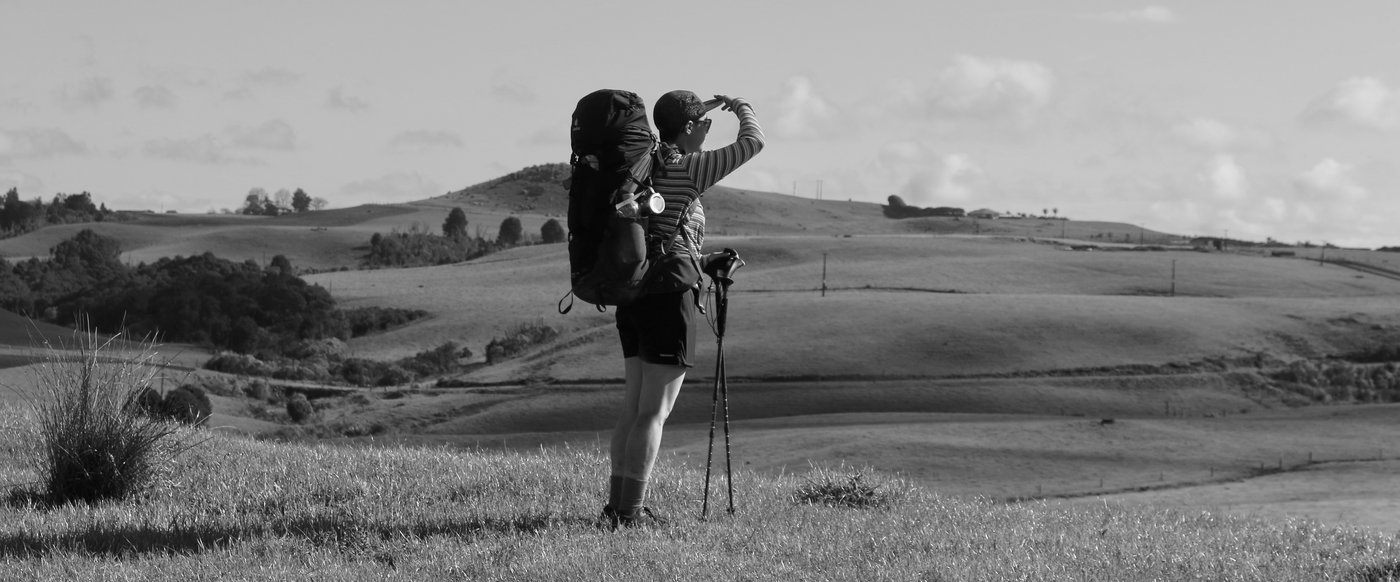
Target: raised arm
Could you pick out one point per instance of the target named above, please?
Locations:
(712, 166)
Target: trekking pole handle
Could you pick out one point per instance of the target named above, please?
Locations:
(721, 266)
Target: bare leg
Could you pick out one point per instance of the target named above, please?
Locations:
(630, 398)
(660, 384)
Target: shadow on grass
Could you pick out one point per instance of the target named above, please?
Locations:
(1389, 572)
(343, 533)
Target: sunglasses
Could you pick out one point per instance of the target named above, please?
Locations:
(705, 123)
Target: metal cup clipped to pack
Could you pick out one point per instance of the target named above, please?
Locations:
(645, 202)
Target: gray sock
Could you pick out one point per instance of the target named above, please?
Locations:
(614, 491)
(634, 492)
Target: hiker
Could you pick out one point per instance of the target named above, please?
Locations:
(658, 331)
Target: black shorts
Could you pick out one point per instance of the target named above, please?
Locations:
(660, 328)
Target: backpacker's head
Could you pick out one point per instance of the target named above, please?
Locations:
(680, 118)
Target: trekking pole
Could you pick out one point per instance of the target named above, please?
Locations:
(714, 404)
(722, 302)
(720, 267)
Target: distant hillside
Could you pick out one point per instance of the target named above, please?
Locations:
(339, 238)
(539, 190)
(533, 190)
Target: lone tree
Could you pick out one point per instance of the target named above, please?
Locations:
(511, 231)
(552, 232)
(301, 201)
(455, 227)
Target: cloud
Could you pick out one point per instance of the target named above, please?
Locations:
(227, 147)
(802, 113)
(271, 135)
(337, 99)
(154, 97)
(1227, 179)
(1331, 200)
(1363, 102)
(270, 77)
(422, 140)
(264, 78)
(547, 137)
(87, 93)
(513, 90)
(991, 88)
(1332, 181)
(1207, 133)
(954, 179)
(38, 143)
(205, 149)
(395, 186)
(1145, 15)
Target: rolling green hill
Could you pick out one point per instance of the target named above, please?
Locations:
(977, 356)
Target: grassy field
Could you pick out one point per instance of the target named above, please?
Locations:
(968, 357)
(235, 508)
(913, 306)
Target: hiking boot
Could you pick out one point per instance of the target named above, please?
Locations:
(608, 519)
(643, 517)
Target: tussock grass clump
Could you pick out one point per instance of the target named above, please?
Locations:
(835, 488)
(95, 441)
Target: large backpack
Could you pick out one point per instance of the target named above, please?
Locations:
(612, 161)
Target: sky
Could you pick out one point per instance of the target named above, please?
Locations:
(1250, 119)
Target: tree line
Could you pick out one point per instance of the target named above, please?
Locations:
(419, 247)
(259, 203)
(18, 217)
(243, 307)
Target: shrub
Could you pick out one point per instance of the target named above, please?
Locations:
(241, 364)
(326, 349)
(518, 339)
(553, 232)
(367, 320)
(511, 231)
(299, 409)
(95, 444)
(360, 372)
(393, 375)
(301, 371)
(188, 404)
(443, 359)
(147, 402)
(831, 488)
(258, 390)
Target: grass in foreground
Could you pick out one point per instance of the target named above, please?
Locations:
(238, 509)
(95, 441)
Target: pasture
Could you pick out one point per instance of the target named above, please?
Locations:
(936, 357)
(972, 357)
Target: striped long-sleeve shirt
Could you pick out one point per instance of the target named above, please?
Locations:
(685, 177)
